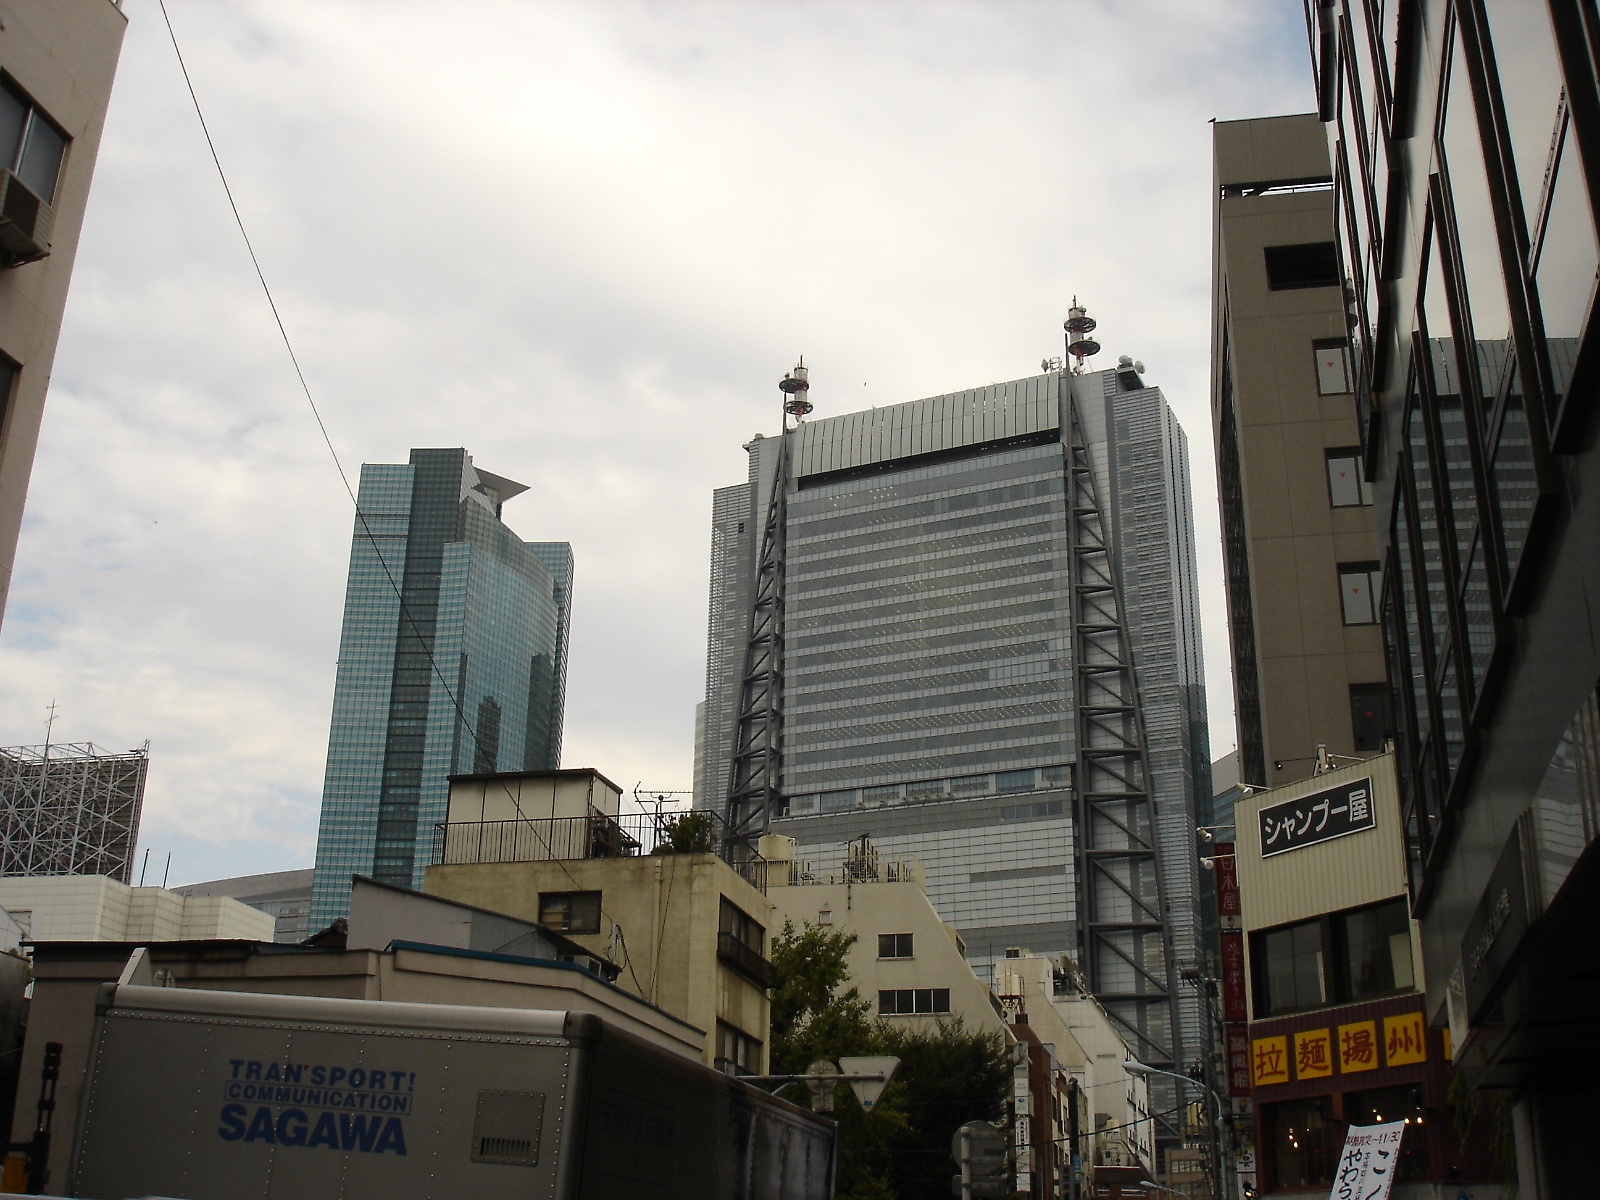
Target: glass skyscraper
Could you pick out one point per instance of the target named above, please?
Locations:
(928, 669)
(452, 660)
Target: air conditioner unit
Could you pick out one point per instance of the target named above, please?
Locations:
(25, 222)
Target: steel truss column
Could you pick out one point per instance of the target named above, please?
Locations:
(757, 757)
(1124, 935)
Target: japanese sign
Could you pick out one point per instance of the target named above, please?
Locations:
(1226, 867)
(1238, 1061)
(1404, 1040)
(1358, 1047)
(1233, 1005)
(1313, 1055)
(1269, 1061)
(1367, 1166)
(1319, 817)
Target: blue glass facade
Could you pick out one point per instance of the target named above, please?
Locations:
(467, 674)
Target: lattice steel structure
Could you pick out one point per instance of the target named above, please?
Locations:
(755, 777)
(1126, 943)
(70, 809)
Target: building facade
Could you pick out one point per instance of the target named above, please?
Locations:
(1334, 991)
(1465, 139)
(70, 809)
(60, 57)
(1300, 546)
(452, 659)
(285, 896)
(689, 929)
(929, 670)
(92, 908)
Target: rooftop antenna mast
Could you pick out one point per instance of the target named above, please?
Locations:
(757, 760)
(1079, 325)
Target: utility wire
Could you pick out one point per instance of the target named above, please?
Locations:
(344, 478)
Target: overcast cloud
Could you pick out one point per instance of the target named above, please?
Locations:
(584, 241)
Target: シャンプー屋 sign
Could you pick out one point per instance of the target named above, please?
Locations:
(1320, 817)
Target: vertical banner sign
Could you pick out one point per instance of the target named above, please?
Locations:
(1369, 1162)
(1226, 868)
(1233, 1006)
(1238, 1060)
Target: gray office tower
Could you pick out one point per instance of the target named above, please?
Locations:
(928, 668)
(452, 659)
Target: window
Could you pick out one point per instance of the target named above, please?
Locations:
(741, 926)
(1288, 968)
(894, 945)
(1358, 592)
(570, 912)
(1347, 486)
(737, 1052)
(904, 1002)
(1300, 1145)
(1333, 366)
(1369, 716)
(31, 144)
(8, 379)
(1374, 949)
(1403, 1103)
(1310, 265)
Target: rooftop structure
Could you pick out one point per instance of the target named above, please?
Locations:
(70, 809)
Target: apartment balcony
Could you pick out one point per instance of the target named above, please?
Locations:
(746, 960)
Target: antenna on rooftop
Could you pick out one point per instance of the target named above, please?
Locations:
(1079, 325)
(794, 387)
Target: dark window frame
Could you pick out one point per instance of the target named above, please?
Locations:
(34, 111)
(1374, 575)
(898, 945)
(1298, 266)
(571, 925)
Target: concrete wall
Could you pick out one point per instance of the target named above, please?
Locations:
(63, 55)
(95, 908)
(659, 922)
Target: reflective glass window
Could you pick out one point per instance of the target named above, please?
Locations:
(1288, 968)
(1374, 949)
(1450, 717)
(1525, 59)
(1515, 486)
(1565, 269)
(1475, 607)
(1474, 218)
(1429, 531)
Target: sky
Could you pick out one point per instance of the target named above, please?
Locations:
(584, 241)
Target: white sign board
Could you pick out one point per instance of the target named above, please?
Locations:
(1369, 1162)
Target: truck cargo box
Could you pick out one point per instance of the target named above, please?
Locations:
(205, 1095)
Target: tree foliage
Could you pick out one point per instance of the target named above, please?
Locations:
(948, 1074)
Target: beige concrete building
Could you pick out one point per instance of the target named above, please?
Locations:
(906, 961)
(688, 929)
(1299, 541)
(57, 61)
(93, 908)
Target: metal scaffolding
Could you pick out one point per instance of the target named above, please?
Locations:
(70, 809)
(754, 779)
(1126, 942)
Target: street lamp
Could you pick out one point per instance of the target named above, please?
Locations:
(1134, 1067)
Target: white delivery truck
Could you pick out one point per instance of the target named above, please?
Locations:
(207, 1095)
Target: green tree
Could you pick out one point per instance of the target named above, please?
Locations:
(948, 1075)
(686, 833)
(814, 1014)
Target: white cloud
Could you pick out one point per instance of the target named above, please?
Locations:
(583, 241)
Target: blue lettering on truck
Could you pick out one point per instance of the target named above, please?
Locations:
(316, 1105)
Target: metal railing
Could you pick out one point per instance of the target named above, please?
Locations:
(631, 835)
(747, 960)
